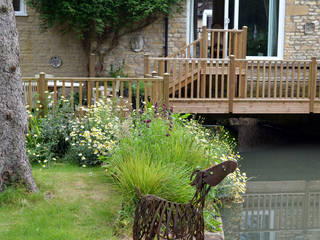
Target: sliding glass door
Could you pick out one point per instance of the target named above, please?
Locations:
(262, 19)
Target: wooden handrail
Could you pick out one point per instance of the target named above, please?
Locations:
(153, 86)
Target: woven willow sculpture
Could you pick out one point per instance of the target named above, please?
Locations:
(158, 218)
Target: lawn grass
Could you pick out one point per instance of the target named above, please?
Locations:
(73, 204)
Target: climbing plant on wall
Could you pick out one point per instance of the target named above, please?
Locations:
(101, 21)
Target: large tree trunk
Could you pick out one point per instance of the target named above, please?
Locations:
(14, 164)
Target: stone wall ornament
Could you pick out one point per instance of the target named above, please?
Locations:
(56, 62)
(137, 43)
(309, 28)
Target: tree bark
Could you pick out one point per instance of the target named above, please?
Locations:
(14, 164)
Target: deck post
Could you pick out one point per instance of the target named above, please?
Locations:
(165, 81)
(232, 79)
(313, 83)
(203, 54)
(244, 41)
(41, 91)
(92, 60)
(146, 65)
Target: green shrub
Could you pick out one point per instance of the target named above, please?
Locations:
(48, 136)
(95, 135)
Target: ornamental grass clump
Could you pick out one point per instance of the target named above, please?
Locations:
(161, 152)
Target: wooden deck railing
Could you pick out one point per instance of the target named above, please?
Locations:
(216, 43)
(239, 85)
(85, 91)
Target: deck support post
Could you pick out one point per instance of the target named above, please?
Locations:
(244, 42)
(313, 83)
(41, 91)
(203, 54)
(146, 65)
(232, 83)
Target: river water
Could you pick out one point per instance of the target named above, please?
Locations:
(283, 194)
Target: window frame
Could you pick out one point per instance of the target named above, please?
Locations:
(23, 9)
(281, 28)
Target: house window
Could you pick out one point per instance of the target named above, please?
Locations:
(265, 20)
(19, 7)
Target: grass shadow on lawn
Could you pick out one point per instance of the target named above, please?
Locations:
(73, 204)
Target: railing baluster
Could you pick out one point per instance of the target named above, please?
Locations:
(30, 94)
(298, 80)
(97, 91)
(192, 78)
(130, 92)
(198, 80)
(281, 77)
(180, 78)
(275, 79)
(216, 79)
(63, 88)
(146, 93)
(258, 79)
(138, 95)
(222, 79)
(80, 97)
(292, 79)
(210, 79)
(230, 44)
(224, 45)
(218, 45)
(72, 95)
(186, 78)
(241, 85)
(114, 94)
(212, 45)
(304, 80)
(263, 79)
(246, 80)
(287, 79)
(105, 88)
(251, 83)
(269, 78)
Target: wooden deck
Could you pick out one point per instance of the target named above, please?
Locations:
(240, 86)
(210, 75)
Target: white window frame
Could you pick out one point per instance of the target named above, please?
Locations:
(23, 9)
(281, 27)
(190, 12)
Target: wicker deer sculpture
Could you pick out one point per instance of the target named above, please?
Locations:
(158, 218)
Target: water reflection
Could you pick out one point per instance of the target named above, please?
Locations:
(283, 198)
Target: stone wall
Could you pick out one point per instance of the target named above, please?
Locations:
(302, 30)
(37, 48)
(151, 41)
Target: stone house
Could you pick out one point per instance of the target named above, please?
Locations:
(277, 29)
